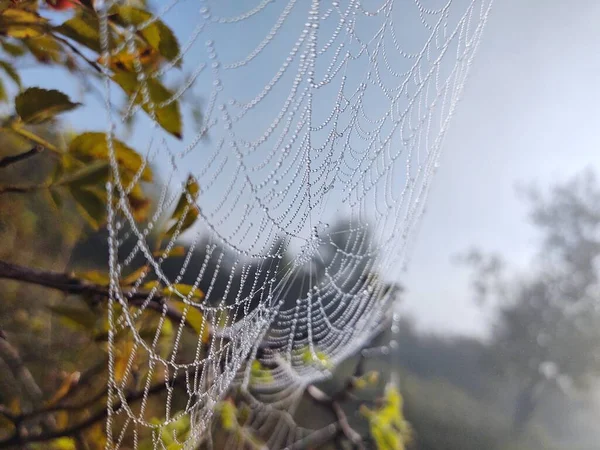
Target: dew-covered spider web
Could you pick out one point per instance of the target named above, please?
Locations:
(295, 200)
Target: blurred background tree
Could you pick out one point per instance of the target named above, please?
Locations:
(547, 328)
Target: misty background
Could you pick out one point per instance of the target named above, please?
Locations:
(529, 114)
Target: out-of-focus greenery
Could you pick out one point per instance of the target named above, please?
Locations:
(53, 197)
(547, 330)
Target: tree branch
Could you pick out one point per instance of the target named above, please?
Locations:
(21, 374)
(320, 397)
(20, 440)
(8, 160)
(70, 284)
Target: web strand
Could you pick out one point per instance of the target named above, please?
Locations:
(322, 127)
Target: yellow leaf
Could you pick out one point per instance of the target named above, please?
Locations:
(165, 110)
(64, 443)
(20, 23)
(91, 146)
(96, 173)
(185, 223)
(11, 72)
(123, 354)
(194, 318)
(140, 204)
(68, 383)
(188, 197)
(94, 276)
(135, 275)
(81, 317)
(316, 358)
(175, 252)
(184, 290)
(154, 31)
(83, 28)
(147, 57)
(259, 373)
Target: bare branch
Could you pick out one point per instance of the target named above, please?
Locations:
(8, 160)
(70, 284)
(21, 374)
(320, 397)
(20, 440)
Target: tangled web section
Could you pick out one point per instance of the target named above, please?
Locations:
(292, 203)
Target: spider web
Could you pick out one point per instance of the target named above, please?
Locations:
(322, 127)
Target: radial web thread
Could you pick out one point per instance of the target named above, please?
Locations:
(322, 127)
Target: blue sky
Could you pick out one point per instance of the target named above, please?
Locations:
(529, 114)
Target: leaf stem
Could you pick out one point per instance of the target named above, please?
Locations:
(23, 132)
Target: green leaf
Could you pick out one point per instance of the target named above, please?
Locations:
(91, 204)
(387, 424)
(228, 415)
(94, 174)
(317, 358)
(37, 105)
(11, 72)
(75, 315)
(3, 94)
(156, 34)
(166, 110)
(12, 49)
(92, 146)
(84, 29)
(259, 373)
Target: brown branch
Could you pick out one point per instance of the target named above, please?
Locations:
(20, 440)
(20, 189)
(8, 160)
(78, 52)
(10, 355)
(70, 284)
(350, 433)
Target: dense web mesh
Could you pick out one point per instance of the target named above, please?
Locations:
(322, 123)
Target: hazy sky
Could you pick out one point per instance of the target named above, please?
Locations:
(530, 113)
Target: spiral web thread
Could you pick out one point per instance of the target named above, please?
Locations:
(322, 126)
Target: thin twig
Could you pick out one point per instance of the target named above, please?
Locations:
(320, 397)
(8, 160)
(20, 189)
(20, 440)
(75, 50)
